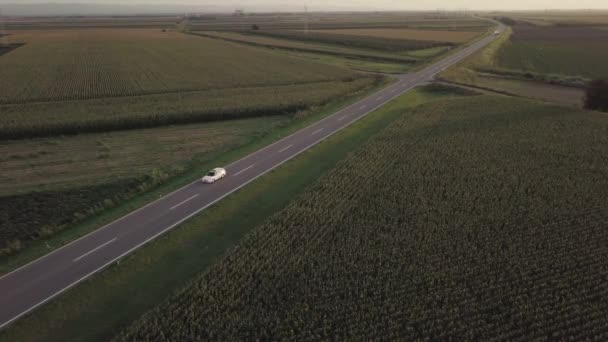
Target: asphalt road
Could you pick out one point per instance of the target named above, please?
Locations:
(40, 281)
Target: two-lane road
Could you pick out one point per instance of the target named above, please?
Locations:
(43, 279)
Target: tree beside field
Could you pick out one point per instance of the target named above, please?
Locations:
(596, 97)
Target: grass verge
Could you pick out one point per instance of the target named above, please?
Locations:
(101, 306)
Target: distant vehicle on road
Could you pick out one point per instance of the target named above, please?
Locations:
(214, 175)
(496, 33)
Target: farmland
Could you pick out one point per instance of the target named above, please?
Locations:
(91, 107)
(469, 219)
(99, 115)
(407, 34)
(297, 21)
(388, 50)
(562, 50)
(311, 47)
(550, 60)
(571, 18)
(385, 43)
(47, 185)
(383, 40)
(138, 284)
(100, 63)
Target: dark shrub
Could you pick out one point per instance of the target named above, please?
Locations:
(596, 97)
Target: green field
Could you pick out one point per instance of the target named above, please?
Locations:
(597, 18)
(382, 43)
(63, 87)
(111, 114)
(344, 20)
(51, 184)
(82, 64)
(53, 163)
(310, 47)
(581, 58)
(564, 49)
(92, 80)
(138, 284)
(470, 219)
(550, 63)
(567, 96)
(48, 185)
(383, 40)
(392, 50)
(407, 34)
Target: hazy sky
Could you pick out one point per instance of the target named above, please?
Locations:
(253, 5)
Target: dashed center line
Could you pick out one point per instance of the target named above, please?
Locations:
(317, 131)
(363, 107)
(184, 202)
(243, 170)
(286, 148)
(98, 248)
(380, 98)
(342, 118)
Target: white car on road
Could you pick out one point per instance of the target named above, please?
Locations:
(214, 175)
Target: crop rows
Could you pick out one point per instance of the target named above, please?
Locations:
(99, 115)
(311, 47)
(28, 217)
(61, 65)
(407, 34)
(567, 51)
(472, 219)
(378, 43)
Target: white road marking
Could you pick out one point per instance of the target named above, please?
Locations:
(286, 148)
(92, 251)
(363, 107)
(342, 118)
(317, 131)
(189, 199)
(243, 170)
(379, 98)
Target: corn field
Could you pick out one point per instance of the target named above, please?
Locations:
(356, 41)
(100, 115)
(60, 65)
(479, 219)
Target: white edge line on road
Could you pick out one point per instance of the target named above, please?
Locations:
(184, 202)
(243, 170)
(286, 148)
(95, 249)
(317, 131)
(191, 215)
